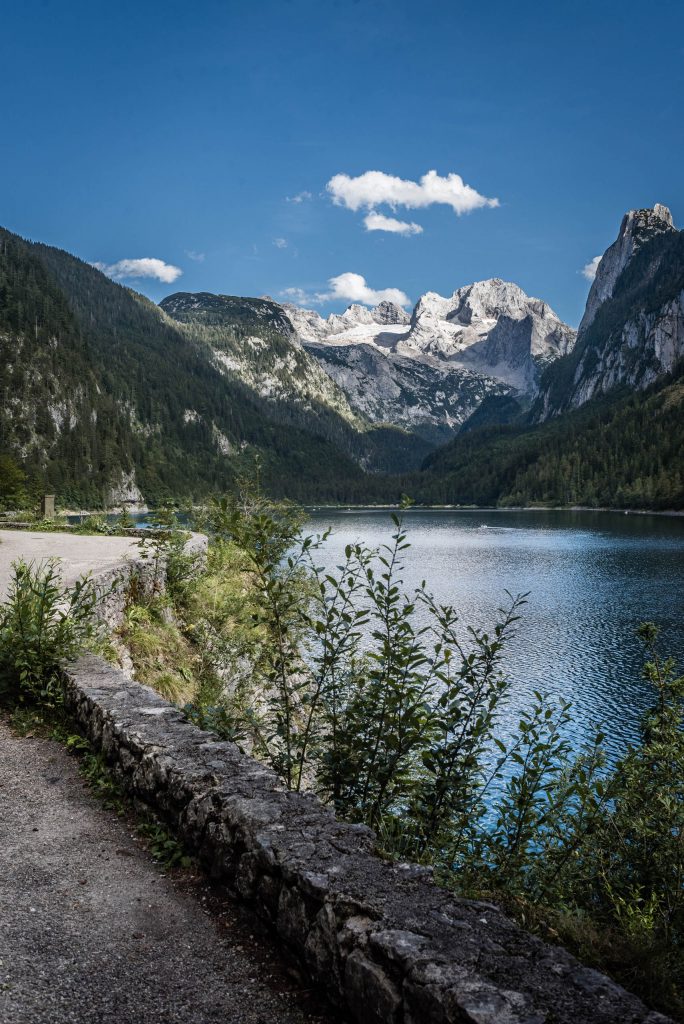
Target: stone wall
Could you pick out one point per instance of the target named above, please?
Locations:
(114, 585)
(380, 938)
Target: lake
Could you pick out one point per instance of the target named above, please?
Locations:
(592, 577)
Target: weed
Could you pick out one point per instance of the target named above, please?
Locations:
(163, 846)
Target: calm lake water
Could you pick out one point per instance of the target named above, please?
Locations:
(592, 578)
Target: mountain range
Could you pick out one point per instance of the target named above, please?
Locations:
(106, 397)
(430, 371)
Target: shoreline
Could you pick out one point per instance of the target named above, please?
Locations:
(393, 507)
(673, 513)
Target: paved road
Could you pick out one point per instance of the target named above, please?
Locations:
(91, 931)
(79, 554)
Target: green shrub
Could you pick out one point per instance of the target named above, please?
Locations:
(389, 706)
(42, 624)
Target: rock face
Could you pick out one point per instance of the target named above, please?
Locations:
(390, 313)
(491, 327)
(430, 371)
(632, 331)
(431, 401)
(638, 226)
(126, 492)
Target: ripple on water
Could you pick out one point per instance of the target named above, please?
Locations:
(592, 578)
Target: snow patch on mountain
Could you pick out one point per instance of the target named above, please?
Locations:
(431, 370)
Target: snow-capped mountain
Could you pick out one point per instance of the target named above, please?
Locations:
(430, 371)
(491, 327)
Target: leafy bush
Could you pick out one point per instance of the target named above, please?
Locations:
(42, 624)
(387, 718)
(389, 707)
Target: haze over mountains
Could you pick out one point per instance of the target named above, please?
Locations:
(107, 397)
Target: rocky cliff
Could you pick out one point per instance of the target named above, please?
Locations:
(431, 401)
(638, 227)
(632, 331)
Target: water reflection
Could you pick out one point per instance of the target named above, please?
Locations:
(592, 578)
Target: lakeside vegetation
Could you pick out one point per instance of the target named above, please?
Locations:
(331, 680)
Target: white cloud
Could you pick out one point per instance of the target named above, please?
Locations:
(353, 288)
(299, 297)
(374, 188)
(379, 222)
(301, 197)
(197, 257)
(589, 269)
(145, 267)
(347, 287)
(280, 243)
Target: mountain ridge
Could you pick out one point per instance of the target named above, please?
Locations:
(106, 397)
(633, 329)
(451, 353)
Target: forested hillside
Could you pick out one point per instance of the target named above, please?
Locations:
(626, 452)
(252, 341)
(102, 396)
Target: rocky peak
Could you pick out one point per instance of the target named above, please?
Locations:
(637, 228)
(389, 313)
(353, 316)
(306, 322)
(431, 305)
(489, 299)
(491, 326)
(647, 221)
(632, 332)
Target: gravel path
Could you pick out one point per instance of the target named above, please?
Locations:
(80, 554)
(92, 931)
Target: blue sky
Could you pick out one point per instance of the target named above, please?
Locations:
(177, 131)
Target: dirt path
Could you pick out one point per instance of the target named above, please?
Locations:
(92, 931)
(80, 554)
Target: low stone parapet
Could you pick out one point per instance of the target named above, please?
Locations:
(380, 938)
